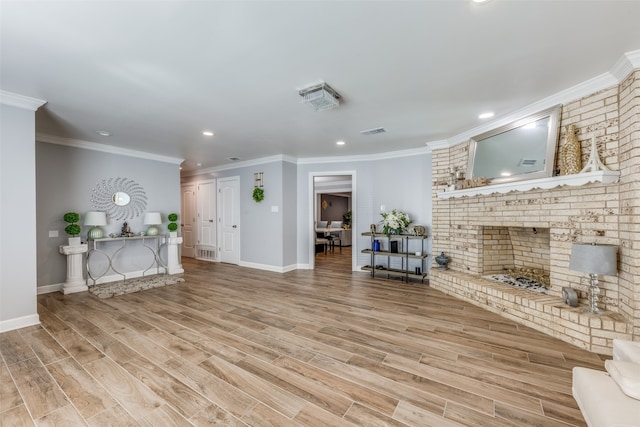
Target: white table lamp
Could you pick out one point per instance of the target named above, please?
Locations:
(152, 219)
(95, 219)
(594, 259)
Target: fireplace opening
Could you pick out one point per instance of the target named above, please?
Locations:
(517, 256)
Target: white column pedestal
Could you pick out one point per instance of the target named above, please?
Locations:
(75, 280)
(173, 260)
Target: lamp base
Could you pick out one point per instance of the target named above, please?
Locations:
(152, 230)
(594, 292)
(95, 233)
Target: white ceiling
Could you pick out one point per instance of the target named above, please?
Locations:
(156, 74)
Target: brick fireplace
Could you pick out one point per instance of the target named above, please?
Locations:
(484, 234)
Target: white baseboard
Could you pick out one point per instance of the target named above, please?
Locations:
(273, 268)
(47, 289)
(19, 322)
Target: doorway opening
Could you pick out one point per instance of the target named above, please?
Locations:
(332, 204)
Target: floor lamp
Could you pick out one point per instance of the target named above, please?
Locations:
(593, 259)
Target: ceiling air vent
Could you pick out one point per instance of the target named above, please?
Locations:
(527, 162)
(373, 131)
(233, 159)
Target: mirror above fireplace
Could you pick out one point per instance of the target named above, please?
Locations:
(522, 150)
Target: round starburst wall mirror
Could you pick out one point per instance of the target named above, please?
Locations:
(120, 198)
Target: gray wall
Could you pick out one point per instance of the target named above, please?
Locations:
(18, 218)
(281, 239)
(261, 230)
(65, 179)
(402, 183)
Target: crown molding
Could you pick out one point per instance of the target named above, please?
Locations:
(88, 145)
(365, 157)
(626, 64)
(622, 68)
(237, 165)
(20, 101)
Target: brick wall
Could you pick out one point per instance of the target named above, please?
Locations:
(600, 213)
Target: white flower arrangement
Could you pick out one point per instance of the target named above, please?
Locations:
(394, 222)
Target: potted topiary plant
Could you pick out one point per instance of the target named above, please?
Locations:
(72, 228)
(172, 226)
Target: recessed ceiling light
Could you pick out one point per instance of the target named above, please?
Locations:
(480, 1)
(103, 133)
(486, 115)
(340, 143)
(207, 133)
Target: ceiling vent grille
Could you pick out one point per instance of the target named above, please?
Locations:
(527, 162)
(373, 131)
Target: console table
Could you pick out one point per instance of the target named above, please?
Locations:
(96, 246)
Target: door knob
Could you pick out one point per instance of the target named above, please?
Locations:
(235, 226)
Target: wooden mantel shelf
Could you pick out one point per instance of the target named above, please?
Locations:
(605, 177)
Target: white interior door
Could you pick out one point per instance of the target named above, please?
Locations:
(188, 219)
(229, 219)
(207, 214)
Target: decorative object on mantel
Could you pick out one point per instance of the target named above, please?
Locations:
(112, 289)
(172, 226)
(72, 228)
(95, 220)
(570, 153)
(442, 261)
(121, 198)
(152, 219)
(394, 222)
(569, 296)
(594, 259)
(594, 164)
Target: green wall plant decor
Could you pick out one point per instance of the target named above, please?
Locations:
(258, 194)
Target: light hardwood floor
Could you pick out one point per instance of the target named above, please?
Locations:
(235, 346)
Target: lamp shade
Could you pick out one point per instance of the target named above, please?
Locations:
(95, 218)
(152, 218)
(596, 259)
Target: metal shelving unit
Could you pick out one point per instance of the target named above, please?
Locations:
(404, 253)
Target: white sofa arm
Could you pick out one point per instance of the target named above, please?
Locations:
(628, 351)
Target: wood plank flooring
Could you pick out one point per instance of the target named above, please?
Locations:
(235, 346)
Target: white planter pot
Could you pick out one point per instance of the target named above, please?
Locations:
(173, 234)
(75, 241)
